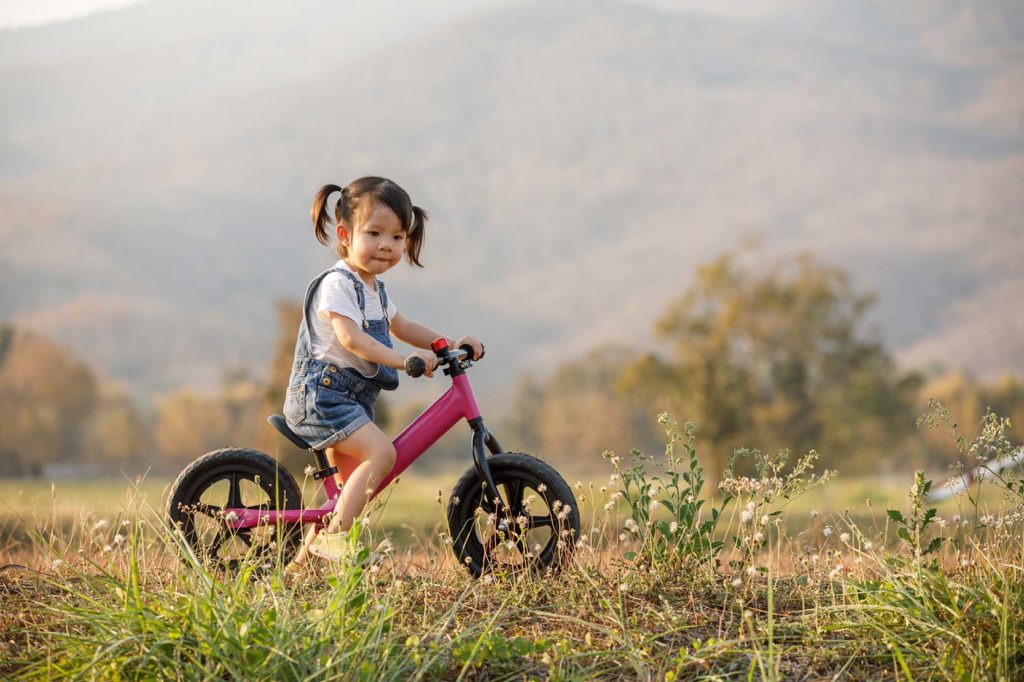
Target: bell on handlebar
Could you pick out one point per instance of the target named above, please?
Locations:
(439, 346)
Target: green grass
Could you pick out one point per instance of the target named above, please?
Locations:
(834, 595)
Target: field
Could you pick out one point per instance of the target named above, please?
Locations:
(799, 577)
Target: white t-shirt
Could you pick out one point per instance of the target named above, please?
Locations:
(337, 293)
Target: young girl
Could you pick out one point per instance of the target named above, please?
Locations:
(344, 356)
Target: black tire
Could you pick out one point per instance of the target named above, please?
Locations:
(537, 533)
(255, 481)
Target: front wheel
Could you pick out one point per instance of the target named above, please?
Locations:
(233, 479)
(538, 530)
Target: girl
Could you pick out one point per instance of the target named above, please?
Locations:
(344, 356)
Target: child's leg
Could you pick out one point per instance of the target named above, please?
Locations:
(346, 465)
(363, 460)
(377, 453)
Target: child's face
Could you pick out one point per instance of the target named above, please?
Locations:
(377, 243)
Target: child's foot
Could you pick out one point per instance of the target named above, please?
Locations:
(336, 547)
(331, 546)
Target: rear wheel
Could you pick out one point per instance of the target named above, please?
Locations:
(232, 479)
(538, 530)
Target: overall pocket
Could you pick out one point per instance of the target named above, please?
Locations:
(295, 404)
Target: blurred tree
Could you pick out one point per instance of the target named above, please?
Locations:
(968, 399)
(117, 433)
(580, 412)
(46, 398)
(775, 359)
(188, 425)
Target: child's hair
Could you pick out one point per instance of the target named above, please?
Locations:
(358, 199)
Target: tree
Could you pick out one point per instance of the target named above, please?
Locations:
(580, 412)
(46, 398)
(775, 358)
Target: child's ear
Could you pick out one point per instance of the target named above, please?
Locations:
(343, 234)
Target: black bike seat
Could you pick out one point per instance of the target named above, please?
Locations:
(278, 422)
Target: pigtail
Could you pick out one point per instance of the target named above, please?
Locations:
(318, 213)
(415, 235)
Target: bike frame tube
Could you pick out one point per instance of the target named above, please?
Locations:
(458, 402)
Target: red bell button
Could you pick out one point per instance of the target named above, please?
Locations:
(438, 345)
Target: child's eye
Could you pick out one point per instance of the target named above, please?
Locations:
(400, 237)
(374, 233)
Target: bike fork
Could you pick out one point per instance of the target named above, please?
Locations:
(481, 438)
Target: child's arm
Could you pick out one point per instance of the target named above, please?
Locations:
(356, 341)
(413, 333)
(420, 335)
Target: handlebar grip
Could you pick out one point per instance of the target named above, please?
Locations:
(415, 367)
(468, 349)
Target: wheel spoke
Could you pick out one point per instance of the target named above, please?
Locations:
(539, 522)
(235, 492)
(245, 536)
(515, 489)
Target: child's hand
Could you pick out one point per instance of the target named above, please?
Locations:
(478, 348)
(428, 358)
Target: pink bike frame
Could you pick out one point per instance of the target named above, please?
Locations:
(456, 403)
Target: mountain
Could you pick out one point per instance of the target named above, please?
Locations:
(578, 160)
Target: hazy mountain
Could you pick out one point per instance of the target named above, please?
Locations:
(578, 160)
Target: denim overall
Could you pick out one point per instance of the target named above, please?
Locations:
(326, 403)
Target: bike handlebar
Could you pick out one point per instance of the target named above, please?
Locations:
(415, 367)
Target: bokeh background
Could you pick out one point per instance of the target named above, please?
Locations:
(791, 222)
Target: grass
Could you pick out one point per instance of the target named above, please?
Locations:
(788, 595)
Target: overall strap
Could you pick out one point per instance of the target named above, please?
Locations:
(361, 296)
(384, 302)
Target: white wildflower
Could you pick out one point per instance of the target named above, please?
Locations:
(737, 582)
(623, 587)
(844, 537)
(100, 525)
(814, 513)
(826, 531)
(764, 520)
(654, 504)
(309, 470)
(609, 506)
(231, 517)
(751, 570)
(758, 537)
(746, 516)
(673, 527)
(118, 539)
(57, 564)
(488, 579)
(541, 488)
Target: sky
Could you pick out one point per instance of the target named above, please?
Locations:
(14, 13)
